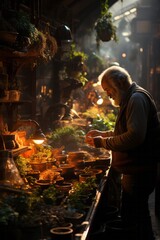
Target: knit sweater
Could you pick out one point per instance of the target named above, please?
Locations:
(136, 133)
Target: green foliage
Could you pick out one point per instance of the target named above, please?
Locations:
(50, 195)
(75, 54)
(104, 24)
(100, 120)
(23, 165)
(75, 66)
(79, 191)
(68, 136)
(21, 209)
(104, 123)
(21, 22)
(43, 151)
(8, 216)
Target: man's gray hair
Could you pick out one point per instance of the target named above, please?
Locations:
(115, 74)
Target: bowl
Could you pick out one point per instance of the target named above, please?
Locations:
(43, 183)
(38, 166)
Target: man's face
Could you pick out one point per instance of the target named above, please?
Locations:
(114, 94)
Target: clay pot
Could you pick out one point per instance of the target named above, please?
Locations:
(84, 176)
(67, 170)
(34, 174)
(38, 166)
(64, 186)
(43, 184)
(61, 233)
(74, 217)
(97, 173)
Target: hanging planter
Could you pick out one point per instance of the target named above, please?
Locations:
(25, 38)
(104, 27)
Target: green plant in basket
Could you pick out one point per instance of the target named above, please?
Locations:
(104, 26)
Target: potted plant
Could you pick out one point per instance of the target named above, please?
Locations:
(104, 27)
(70, 137)
(29, 41)
(81, 194)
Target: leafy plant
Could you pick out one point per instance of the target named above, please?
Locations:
(80, 190)
(30, 39)
(68, 136)
(75, 66)
(21, 22)
(50, 195)
(8, 216)
(100, 120)
(104, 26)
(23, 165)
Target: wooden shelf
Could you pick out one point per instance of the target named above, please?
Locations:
(7, 52)
(20, 150)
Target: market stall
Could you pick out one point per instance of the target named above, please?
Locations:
(49, 190)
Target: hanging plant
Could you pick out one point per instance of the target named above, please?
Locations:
(104, 27)
(75, 65)
(30, 41)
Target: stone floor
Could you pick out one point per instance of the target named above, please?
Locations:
(155, 219)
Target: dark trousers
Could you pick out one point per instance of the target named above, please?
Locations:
(134, 203)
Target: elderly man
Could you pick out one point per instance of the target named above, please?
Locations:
(133, 143)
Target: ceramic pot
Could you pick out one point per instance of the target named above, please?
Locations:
(64, 186)
(43, 184)
(38, 166)
(61, 233)
(67, 170)
(35, 174)
(74, 217)
(84, 176)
